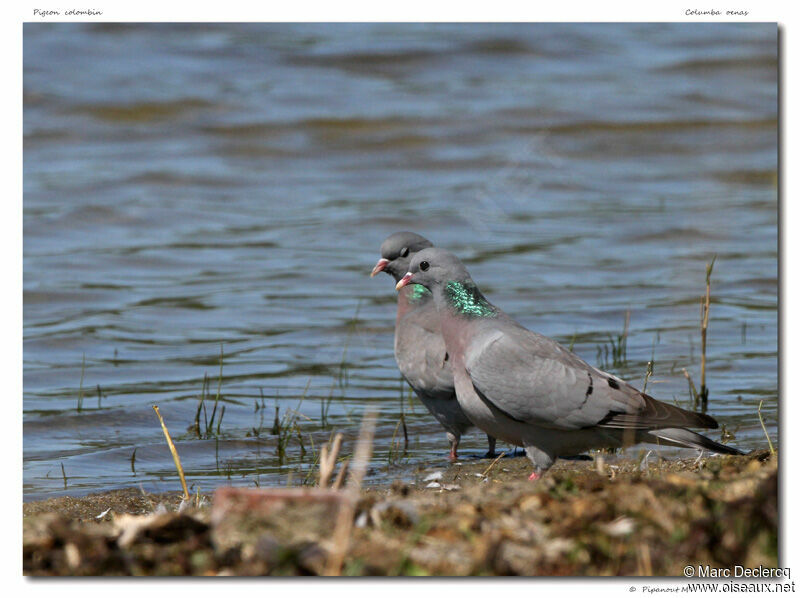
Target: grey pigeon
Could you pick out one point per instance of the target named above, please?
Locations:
(528, 390)
(418, 344)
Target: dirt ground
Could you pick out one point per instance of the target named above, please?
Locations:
(609, 516)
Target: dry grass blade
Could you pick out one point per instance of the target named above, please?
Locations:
(337, 483)
(692, 389)
(344, 518)
(492, 464)
(327, 460)
(174, 452)
(600, 465)
(647, 375)
(764, 427)
(645, 564)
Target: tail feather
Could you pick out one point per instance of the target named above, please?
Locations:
(655, 413)
(687, 438)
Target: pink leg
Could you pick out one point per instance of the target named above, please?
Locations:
(534, 476)
(453, 456)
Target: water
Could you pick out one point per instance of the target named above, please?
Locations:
(196, 188)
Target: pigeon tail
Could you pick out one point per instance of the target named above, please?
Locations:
(687, 438)
(656, 414)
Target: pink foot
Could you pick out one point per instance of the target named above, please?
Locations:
(452, 457)
(534, 476)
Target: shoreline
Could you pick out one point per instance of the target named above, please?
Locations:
(602, 517)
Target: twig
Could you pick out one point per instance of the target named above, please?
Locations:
(174, 452)
(692, 389)
(763, 427)
(344, 518)
(647, 375)
(644, 561)
(500, 456)
(337, 483)
(327, 460)
(600, 464)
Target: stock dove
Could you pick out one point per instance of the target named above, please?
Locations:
(418, 345)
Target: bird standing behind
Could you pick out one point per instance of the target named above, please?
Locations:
(528, 390)
(418, 344)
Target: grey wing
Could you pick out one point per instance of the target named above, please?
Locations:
(421, 354)
(533, 379)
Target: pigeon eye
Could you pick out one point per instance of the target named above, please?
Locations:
(404, 252)
(424, 266)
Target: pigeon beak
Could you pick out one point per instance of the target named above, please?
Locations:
(379, 266)
(403, 281)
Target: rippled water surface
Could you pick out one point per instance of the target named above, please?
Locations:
(197, 189)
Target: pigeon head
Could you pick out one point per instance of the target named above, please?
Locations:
(433, 268)
(397, 251)
(445, 276)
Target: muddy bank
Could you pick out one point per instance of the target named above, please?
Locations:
(613, 517)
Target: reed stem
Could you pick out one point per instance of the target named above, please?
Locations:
(174, 452)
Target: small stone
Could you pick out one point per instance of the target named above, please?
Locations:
(622, 526)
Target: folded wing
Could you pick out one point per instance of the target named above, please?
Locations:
(533, 379)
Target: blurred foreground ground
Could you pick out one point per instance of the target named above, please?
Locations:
(584, 518)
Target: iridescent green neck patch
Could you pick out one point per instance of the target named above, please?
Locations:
(468, 300)
(418, 293)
